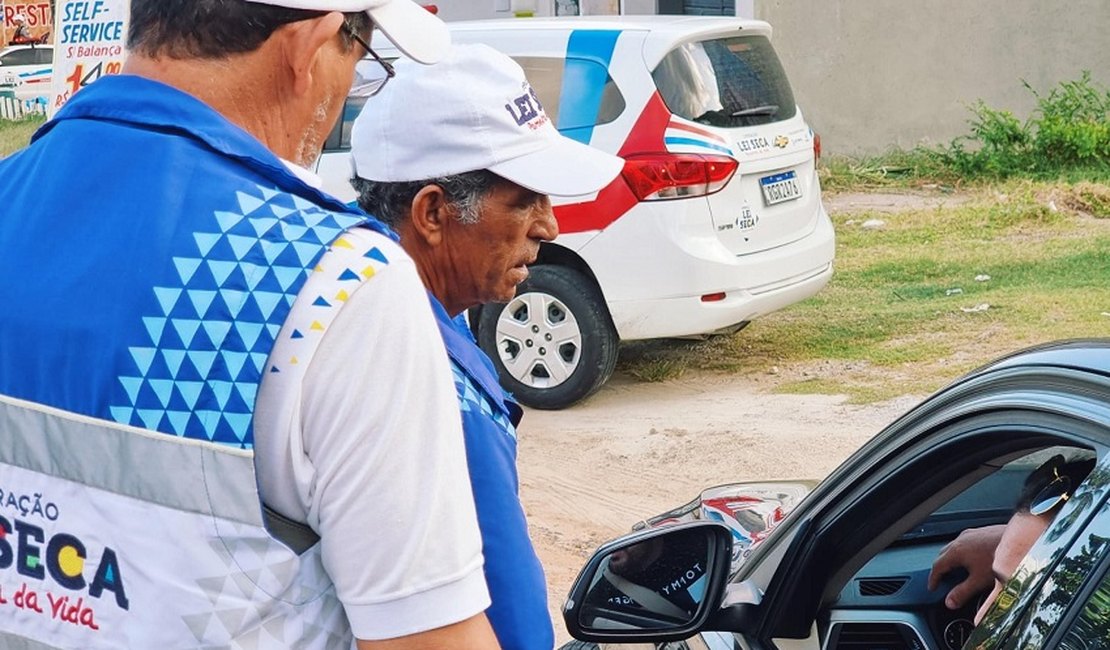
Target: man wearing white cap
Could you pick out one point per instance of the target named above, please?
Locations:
(459, 158)
(223, 395)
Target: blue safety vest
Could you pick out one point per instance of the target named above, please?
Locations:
(513, 572)
(151, 251)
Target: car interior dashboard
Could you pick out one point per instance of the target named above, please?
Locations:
(887, 604)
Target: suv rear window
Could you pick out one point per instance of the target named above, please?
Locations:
(729, 82)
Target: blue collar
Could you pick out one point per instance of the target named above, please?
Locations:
(150, 104)
(464, 351)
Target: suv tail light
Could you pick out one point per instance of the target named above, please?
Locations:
(661, 176)
(816, 148)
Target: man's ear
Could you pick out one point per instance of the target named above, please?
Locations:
(302, 44)
(429, 214)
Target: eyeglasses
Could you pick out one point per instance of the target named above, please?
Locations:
(368, 85)
(1056, 492)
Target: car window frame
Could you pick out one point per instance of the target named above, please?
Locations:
(1083, 423)
(957, 443)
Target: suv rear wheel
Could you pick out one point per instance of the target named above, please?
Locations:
(553, 344)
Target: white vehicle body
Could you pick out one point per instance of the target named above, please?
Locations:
(676, 97)
(27, 68)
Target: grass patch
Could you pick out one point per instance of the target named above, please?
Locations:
(930, 295)
(1092, 199)
(856, 394)
(657, 369)
(896, 168)
(15, 135)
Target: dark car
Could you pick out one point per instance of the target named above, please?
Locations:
(847, 567)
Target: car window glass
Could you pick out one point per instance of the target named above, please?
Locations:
(20, 57)
(350, 111)
(728, 82)
(1023, 483)
(1093, 621)
(612, 103)
(340, 137)
(546, 74)
(44, 55)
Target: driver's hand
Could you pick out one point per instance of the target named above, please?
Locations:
(972, 550)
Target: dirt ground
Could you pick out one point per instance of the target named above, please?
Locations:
(637, 449)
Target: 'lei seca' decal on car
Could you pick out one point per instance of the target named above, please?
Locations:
(753, 144)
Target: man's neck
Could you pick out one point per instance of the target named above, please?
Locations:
(430, 272)
(239, 87)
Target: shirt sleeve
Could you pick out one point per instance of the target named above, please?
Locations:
(384, 477)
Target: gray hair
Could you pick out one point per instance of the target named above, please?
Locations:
(391, 202)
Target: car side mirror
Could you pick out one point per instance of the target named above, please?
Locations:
(660, 584)
(751, 510)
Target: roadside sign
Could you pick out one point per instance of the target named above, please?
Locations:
(90, 42)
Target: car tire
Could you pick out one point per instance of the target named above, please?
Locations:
(554, 343)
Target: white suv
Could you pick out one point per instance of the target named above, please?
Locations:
(716, 219)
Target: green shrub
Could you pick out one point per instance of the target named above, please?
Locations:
(1067, 138)
(1067, 135)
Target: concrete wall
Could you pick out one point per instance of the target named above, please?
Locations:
(872, 74)
(471, 9)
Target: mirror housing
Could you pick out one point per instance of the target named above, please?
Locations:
(659, 584)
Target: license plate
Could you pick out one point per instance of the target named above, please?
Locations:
(780, 188)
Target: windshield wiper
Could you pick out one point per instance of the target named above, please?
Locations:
(768, 109)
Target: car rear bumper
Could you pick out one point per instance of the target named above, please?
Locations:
(686, 316)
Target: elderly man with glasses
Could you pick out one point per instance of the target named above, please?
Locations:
(225, 389)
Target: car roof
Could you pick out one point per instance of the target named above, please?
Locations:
(1090, 355)
(27, 46)
(683, 25)
(662, 33)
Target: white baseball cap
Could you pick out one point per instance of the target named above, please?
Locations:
(413, 29)
(473, 110)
